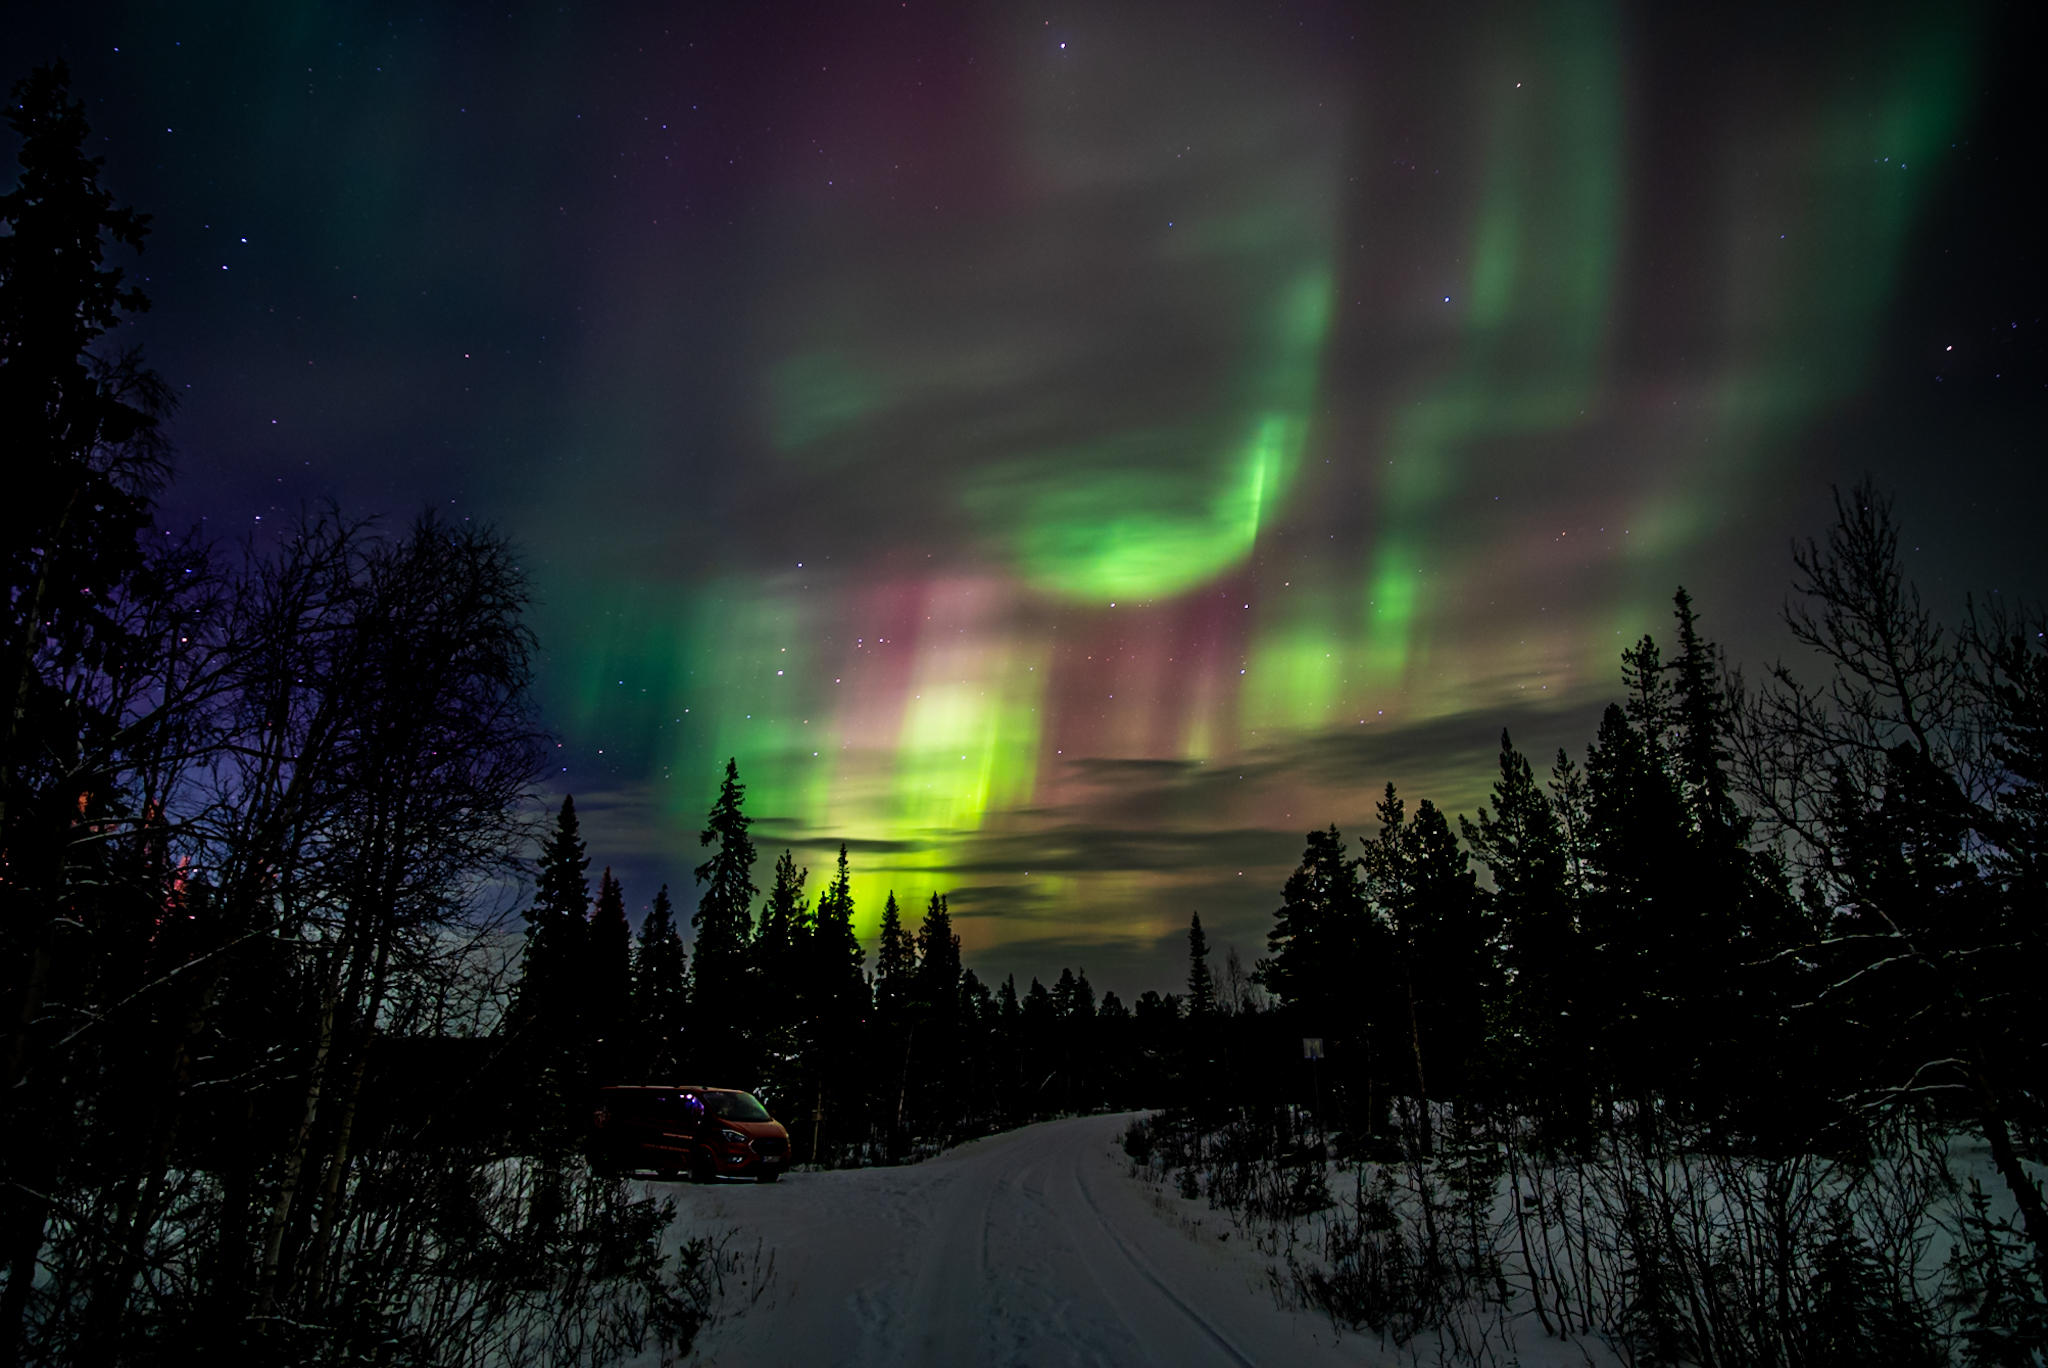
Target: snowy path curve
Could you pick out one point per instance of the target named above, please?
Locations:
(1032, 1247)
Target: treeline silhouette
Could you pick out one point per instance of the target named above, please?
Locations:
(1736, 1054)
(1700, 1067)
(863, 1064)
(260, 820)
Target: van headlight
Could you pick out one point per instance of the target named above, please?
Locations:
(734, 1136)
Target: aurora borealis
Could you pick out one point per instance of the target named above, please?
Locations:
(1067, 454)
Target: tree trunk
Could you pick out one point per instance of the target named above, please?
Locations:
(335, 1184)
(294, 1163)
(1415, 1044)
(1522, 1229)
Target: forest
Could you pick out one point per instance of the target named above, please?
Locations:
(1722, 1042)
(1702, 1065)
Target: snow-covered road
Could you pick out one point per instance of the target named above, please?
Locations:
(1032, 1247)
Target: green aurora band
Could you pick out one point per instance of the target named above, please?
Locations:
(1097, 565)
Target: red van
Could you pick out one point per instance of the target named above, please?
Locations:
(705, 1132)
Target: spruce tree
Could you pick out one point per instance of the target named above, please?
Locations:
(1681, 915)
(551, 963)
(1571, 798)
(83, 454)
(895, 963)
(1064, 992)
(836, 949)
(1519, 841)
(1734, 912)
(660, 990)
(1637, 832)
(783, 923)
(1320, 935)
(1083, 1041)
(1060, 1048)
(1701, 719)
(938, 959)
(935, 1009)
(724, 923)
(1445, 935)
(1201, 983)
(1523, 845)
(547, 1025)
(836, 999)
(977, 1004)
(84, 449)
(607, 988)
(780, 948)
(1422, 890)
(724, 916)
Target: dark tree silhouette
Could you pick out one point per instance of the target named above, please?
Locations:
(1201, 983)
(785, 926)
(84, 440)
(84, 456)
(607, 989)
(1323, 944)
(724, 922)
(1540, 1052)
(661, 991)
(836, 952)
(938, 960)
(259, 812)
(1422, 893)
(1906, 787)
(895, 963)
(547, 1008)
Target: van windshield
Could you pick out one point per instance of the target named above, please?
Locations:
(734, 1106)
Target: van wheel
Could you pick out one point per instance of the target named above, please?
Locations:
(702, 1170)
(768, 1175)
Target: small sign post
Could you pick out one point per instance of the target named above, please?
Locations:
(1311, 1047)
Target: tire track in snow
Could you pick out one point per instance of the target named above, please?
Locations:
(1144, 1270)
(1023, 1250)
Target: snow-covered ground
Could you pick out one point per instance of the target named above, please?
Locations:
(1033, 1247)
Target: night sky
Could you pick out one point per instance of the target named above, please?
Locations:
(1068, 453)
